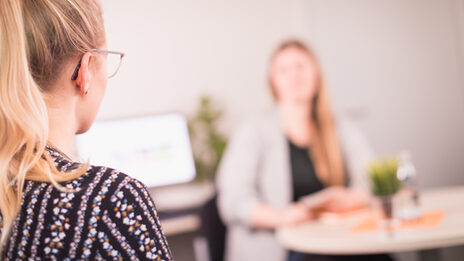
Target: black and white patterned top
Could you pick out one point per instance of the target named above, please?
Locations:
(111, 216)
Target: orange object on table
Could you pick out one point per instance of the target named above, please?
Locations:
(427, 220)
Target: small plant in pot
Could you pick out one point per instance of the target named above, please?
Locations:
(208, 142)
(384, 185)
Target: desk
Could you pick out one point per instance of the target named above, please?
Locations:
(321, 238)
(180, 197)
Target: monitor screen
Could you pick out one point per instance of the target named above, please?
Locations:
(153, 149)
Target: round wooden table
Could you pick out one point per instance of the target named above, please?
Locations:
(337, 237)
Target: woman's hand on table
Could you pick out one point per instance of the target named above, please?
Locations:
(340, 199)
(269, 217)
(333, 199)
(295, 214)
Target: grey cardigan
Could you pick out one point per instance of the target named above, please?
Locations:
(256, 169)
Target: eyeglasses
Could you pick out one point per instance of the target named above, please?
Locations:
(113, 62)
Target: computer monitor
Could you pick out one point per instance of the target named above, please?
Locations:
(153, 149)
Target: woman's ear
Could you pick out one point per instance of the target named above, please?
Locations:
(84, 74)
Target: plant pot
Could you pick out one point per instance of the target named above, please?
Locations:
(386, 214)
(386, 204)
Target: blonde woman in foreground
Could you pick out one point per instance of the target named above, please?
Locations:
(53, 74)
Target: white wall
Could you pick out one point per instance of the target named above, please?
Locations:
(395, 66)
(179, 50)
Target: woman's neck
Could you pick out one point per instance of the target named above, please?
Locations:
(61, 130)
(296, 120)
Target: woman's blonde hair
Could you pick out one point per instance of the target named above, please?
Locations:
(37, 39)
(325, 148)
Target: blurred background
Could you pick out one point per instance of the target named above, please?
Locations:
(394, 67)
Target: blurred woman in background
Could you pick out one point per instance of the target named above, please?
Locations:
(285, 166)
(53, 74)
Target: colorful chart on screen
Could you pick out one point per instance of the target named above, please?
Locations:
(153, 149)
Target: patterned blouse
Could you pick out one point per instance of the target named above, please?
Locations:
(111, 216)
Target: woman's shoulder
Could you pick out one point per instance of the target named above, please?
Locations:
(256, 130)
(103, 184)
(95, 178)
(98, 185)
(118, 185)
(356, 148)
(104, 203)
(260, 121)
(102, 207)
(127, 209)
(125, 205)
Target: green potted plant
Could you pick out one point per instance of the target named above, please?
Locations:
(208, 143)
(384, 185)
